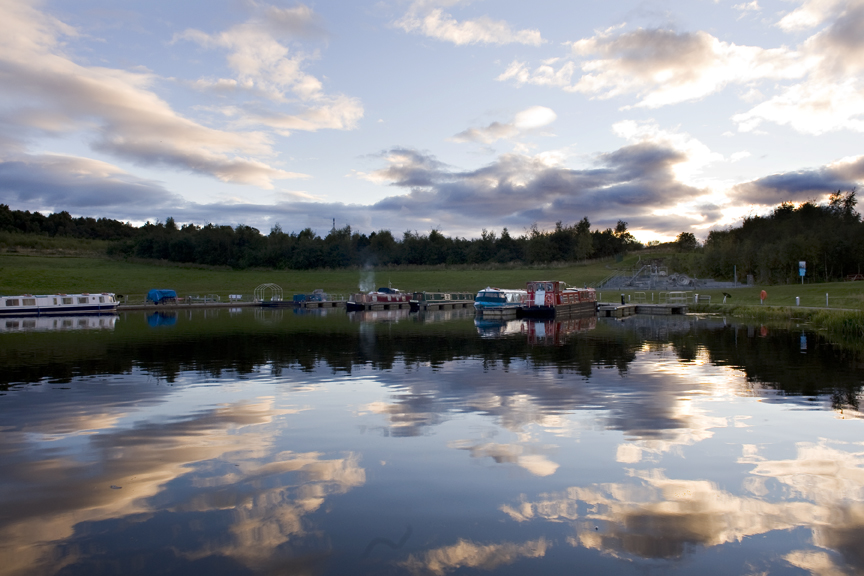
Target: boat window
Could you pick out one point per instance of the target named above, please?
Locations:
(28, 302)
(11, 324)
(55, 301)
(67, 300)
(101, 299)
(12, 302)
(549, 287)
(82, 300)
(28, 324)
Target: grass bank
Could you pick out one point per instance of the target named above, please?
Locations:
(844, 326)
(37, 274)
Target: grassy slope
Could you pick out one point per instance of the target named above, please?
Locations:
(36, 274)
(26, 273)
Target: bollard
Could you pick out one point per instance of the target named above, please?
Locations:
(826, 300)
(797, 300)
(622, 299)
(696, 299)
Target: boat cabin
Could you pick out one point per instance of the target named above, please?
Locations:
(555, 293)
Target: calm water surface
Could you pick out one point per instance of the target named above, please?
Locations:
(270, 442)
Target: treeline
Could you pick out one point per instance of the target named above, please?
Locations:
(829, 238)
(243, 246)
(62, 224)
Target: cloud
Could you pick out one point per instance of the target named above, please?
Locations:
(802, 185)
(465, 553)
(661, 67)
(811, 13)
(118, 108)
(426, 18)
(55, 182)
(831, 97)
(537, 464)
(265, 66)
(818, 84)
(526, 120)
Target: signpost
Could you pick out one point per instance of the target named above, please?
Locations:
(802, 268)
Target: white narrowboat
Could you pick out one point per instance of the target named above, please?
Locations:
(45, 305)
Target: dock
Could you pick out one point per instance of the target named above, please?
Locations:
(365, 306)
(315, 304)
(611, 310)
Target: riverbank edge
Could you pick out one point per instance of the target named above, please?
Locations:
(846, 325)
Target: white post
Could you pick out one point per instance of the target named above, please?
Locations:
(826, 299)
(797, 300)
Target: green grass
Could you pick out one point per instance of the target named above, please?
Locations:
(845, 295)
(37, 274)
(44, 245)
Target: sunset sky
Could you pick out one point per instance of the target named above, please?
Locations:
(454, 115)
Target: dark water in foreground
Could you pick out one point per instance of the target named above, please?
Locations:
(267, 442)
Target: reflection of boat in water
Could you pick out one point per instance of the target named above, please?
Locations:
(162, 319)
(384, 299)
(539, 331)
(554, 332)
(431, 316)
(498, 328)
(499, 302)
(58, 323)
(379, 315)
(53, 304)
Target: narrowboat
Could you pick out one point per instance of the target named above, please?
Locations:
(547, 299)
(441, 300)
(499, 303)
(44, 305)
(384, 299)
(58, 323)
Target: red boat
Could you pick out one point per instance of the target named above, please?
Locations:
(553, 298)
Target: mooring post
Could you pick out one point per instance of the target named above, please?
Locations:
(797, 300)
(826, 300)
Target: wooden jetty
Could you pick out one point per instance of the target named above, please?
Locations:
(314, 304)
(611, 310)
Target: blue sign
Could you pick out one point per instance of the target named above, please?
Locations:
(802, 267)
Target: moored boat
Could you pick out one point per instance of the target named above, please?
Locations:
(499, 302)
(441, 300)
(44, 305)
(384, 299)
(553, 298)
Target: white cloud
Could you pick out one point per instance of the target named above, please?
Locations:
(811, 13)
(118, 108)
(264, 65)
(661, 67)
(811, 108)
(529, 119)
(427, 19)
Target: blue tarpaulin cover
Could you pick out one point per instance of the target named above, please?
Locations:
(156, 296)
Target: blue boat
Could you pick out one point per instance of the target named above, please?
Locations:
(499, 301)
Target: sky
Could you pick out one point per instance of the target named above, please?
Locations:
(454, 115)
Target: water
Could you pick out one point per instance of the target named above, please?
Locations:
(268, 442)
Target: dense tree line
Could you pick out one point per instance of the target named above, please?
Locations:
(828, 237)
(62, 224)
(243, 246)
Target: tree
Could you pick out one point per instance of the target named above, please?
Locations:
(686, 242)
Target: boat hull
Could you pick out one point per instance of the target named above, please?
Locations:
(573, 309)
